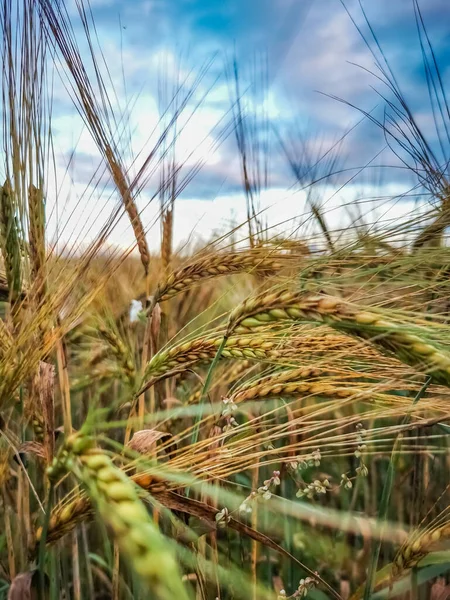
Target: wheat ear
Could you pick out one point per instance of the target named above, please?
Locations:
(182, 356)
(65, 517)
(117, 502)
(415, 549)
(120, 351)
(295, 382)
(10, 241)
(167, 234)
(217, 265)
(392, 337)
(36, 233)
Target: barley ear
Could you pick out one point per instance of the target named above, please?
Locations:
(388, 334)
(10, 241)
(117, 503)
(36, 234)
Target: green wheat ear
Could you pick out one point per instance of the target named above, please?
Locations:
(116, 500)
(389, 335)
(10, 241)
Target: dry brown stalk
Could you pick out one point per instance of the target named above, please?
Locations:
(391, 336)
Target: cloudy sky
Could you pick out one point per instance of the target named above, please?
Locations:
(292, 56)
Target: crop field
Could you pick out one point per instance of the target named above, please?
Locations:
(261, 415)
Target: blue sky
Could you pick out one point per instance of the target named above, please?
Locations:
(312, 48)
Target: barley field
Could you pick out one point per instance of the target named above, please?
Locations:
(263, 414)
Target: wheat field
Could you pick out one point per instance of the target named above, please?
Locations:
(263, 415)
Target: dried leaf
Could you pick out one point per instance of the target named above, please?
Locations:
(171, 402)
(144, 441)
(25, 586)
(440, 591)
(33, 448)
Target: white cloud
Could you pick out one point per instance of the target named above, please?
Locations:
(317, 59)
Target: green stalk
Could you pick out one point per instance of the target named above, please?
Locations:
(206, 386)
(42, 545)
(385, 497)
(205, 389)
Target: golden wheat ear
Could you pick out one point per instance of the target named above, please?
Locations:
(258, 260)
(403, 340)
